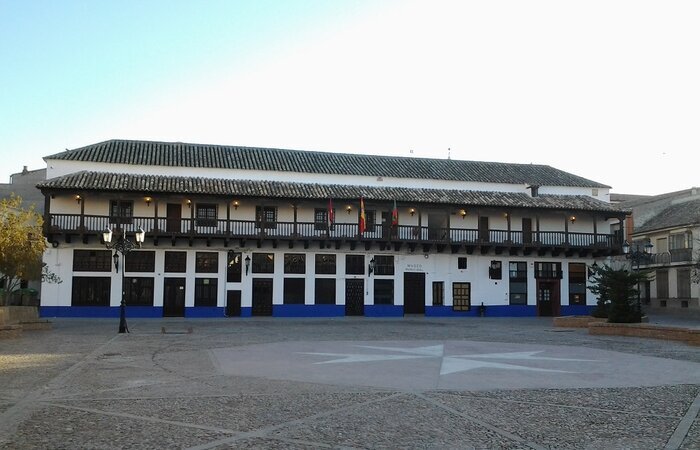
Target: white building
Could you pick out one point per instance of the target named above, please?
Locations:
(244, 231)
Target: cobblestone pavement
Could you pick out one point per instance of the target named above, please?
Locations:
(345, 383)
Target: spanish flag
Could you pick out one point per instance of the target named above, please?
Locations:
(362, 223)
(395, 216)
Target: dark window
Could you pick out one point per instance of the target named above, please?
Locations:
(325, 291)
(325, 264)
(141, 261)
(294, 263)
(661, 284)
(495, 270)
(23, 284)
(294, 291)
(321, 219)
(577, 284)
(438, 293)
(383, 265)
(90, 291)
(461, 296)
(266, 217)
(263, 263)
(138, 291)
(517, 274)
(233, 267)
(355, 264)
(383, 292)
(205, 290)
(175, 261)
(92, 261)
(206, 262)
(121, 211)
(548, 270)
(683, 280)
(206, 215)
(462, 262)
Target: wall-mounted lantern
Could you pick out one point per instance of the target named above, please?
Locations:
(189, 203)
(247, 264)
(412, 211)
(148, 200)
(236, 204)
(370, 267)
(348, 209)
(463, 213)
(572, 219)
(78, 198)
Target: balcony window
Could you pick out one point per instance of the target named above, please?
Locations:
(206, 215)
(321, 219)
(121, 211)
(266, 217)
(680, 241)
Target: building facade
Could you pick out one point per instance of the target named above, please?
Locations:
(236, 231)
(671, 223)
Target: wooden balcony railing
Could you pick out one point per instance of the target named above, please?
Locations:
(161, 226)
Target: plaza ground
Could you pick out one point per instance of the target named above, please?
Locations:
(412, 382)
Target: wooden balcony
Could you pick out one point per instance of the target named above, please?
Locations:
(87, 227)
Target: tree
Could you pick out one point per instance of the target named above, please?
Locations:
(617, 293)
(22, 246)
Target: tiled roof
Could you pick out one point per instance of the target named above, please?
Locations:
(251, 158)
(153, 184)
(680, 214)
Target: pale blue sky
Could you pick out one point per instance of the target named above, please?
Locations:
(604, 89)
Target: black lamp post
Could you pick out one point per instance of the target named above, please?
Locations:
(122, 245)
(637, 257)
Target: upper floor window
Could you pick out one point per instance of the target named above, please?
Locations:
(175, 261)
(140, 261)
(383, 265)
(263, 262)
(294, 263)
(548, 270)
(680, 241)
(325, 264)
(206, 215)
(370, 219)
(121, 211)
(354, 264)
(266, 217)
(92, 261)
(234, 267)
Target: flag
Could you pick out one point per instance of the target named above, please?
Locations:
(395, 216)
(362, 225)
(331, 213)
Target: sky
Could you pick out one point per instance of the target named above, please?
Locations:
(608, 90)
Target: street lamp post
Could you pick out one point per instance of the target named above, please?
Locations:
(637, 257)
(122, 245)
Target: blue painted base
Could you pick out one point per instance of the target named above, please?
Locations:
(308, 310)
(383, 310)
(100, 311)
(490, 311)
(205, 311)
(246, 311)
(576, 310)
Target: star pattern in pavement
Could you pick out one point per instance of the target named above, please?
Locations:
(449, 363)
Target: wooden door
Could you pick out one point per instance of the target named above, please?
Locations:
(233, 303)
(413, 293)
(174, 297)
(354, 297)
(484, 229)
(262, 296)
(527, 231)
(548, 302)
(174, 218)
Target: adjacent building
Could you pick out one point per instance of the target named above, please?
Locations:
(239, 231)
(671, 223)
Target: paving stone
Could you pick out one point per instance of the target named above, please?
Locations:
(692, 439)
(237, 412)
(556, 427)
(58, 428)
(402, 422)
